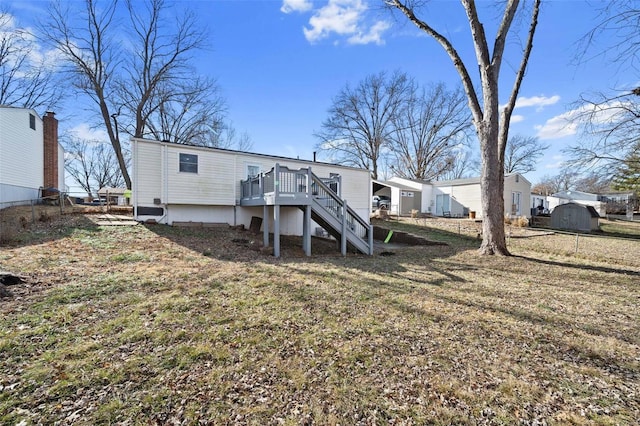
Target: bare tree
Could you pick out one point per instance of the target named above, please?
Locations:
(184, 116)
(491, 123)
(428, 130)
(360, 123)
(26, 79)
(571, 180)
(619, 24)
(91, 164)
(159, 69)
(142, 86)
(93, 61)
(462, 165)
(610, 121)
(610, 131)
(594, 183)
(223, 134)
(522, 153)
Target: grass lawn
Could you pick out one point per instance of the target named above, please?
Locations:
(159, 325)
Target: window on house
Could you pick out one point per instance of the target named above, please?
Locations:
(32, 121)
(189, 163)
(253, 170)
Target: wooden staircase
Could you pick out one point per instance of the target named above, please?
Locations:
(318, 197)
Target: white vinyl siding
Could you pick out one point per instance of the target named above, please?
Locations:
(516, 184)
(147, 176)
(213, 194)
(212, 185)
(21, 151)
(61, 183)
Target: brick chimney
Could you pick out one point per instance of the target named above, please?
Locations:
(50, 140)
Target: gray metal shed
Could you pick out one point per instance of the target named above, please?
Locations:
(575, 217)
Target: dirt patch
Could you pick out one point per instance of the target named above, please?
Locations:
(404, 238)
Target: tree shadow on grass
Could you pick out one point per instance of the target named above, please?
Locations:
(605, 269)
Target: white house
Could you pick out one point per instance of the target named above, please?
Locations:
(31, 159)
(455, 198)
(175, 183)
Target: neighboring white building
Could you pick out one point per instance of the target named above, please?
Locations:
(578, 197)
(405, 194)
(31, 159)
(455, 198)
(175, 183)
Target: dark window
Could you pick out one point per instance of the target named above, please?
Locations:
(32, 121)
(150, 211)
(189, 163)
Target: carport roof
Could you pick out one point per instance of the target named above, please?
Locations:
(379, 184)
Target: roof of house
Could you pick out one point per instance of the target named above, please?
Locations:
(233, 151)
(576, 195)
(16, 108)
(456, 182)
(472, 181)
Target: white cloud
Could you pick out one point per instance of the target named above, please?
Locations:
(338, 16)
(536, 101)
(374, 35)
(84, 132)
(557, 164)
(24, 49)
(289, 6)
(345, 18)
(7, 21)
(559, 126)
(568, 123)
(516, 118)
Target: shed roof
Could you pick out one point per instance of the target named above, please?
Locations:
(592, 211)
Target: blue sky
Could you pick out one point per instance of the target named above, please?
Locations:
(280, 63)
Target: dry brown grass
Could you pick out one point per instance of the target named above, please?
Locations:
(144, 325)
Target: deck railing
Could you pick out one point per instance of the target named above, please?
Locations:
(339, 208)
(282, 180)
(278, 181)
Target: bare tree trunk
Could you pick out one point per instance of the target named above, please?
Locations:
(492, 129)
(492, 195)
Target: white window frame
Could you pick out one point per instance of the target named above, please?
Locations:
(249, 166)
(187, 164)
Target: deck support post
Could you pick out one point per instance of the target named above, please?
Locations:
(370, 238)
(276, 230)
(306, 230)
(343, 234)
(265, 226)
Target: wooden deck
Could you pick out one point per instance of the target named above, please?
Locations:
(318, 198)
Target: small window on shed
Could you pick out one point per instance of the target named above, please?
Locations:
(32, 121)
(189, 163)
